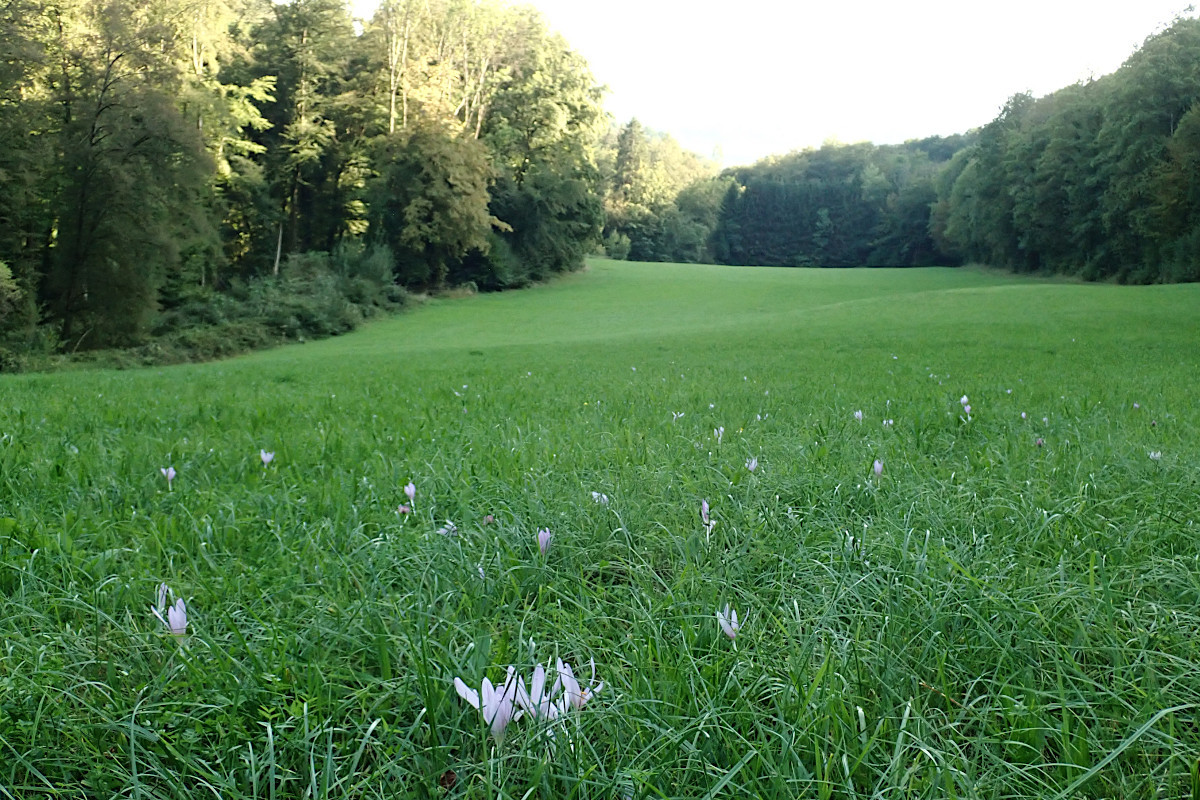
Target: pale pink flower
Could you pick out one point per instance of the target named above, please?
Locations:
(498, 703)
(752, 463)
(543, 540)
(411, 491)
(878, 467)
(573, 695)
(718, 433)
(169, 474)
(176, 614)
(858, 415)
(266, 457)
(540, 702)
(404, 509)
(709, 524)
(600, 498)
(729, 622)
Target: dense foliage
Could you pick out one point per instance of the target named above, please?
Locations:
(841, 205)
(1099, 179)
(164, 158)
(169, 164)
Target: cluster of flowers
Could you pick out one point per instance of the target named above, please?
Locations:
(507, 702)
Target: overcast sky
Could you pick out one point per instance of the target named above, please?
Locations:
(755, 77)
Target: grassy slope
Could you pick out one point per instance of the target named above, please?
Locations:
(1007, 616)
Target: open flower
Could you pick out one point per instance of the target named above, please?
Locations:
(176, 615)
(497, 704)
(543, 539)
(963, 400)
(752, 463)
(1155, 455)
(858, 415)
(729, 622)
(540, 702)
(403, 509)
(266, 457)
(169, 474)
(600, 497)
(718, 433)
(449, 529)
(573, 695)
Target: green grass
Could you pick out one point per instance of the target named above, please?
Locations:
(1009, 620)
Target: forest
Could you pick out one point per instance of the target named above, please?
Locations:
(1099, 180)
(214, 174)
(187, 178)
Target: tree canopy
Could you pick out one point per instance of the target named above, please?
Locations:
(160, 153)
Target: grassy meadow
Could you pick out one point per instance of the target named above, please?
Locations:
(1010, 608)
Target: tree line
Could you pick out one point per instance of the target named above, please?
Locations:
(270, 170)
(218, 174)
(1100, 180)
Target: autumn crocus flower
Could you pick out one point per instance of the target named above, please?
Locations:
(169, 474)
(410, 491)
(497, 703)
(540, 702)
(718, 433)
(752, 463)
(600, 497)
(403, 509)
(573, 695)
(266, 457)
(708, 523)
(176, 615)
(878, 467)
(543, 540)
(729, 622)
(858, 415)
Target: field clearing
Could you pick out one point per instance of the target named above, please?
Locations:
(1009, 607)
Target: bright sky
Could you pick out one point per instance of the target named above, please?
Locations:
(762, 77)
